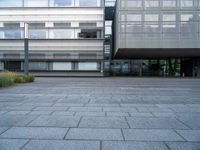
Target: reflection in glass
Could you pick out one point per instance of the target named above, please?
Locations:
(169, 3)
(61, 3)
(11, 3)
(89, 3)
(93, 66)
(36, 3)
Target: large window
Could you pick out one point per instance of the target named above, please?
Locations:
(37, 34)
(151, 3)
(186, 3)
(62, 66)
(134, 3)
(134, 17)
(11, 3)
(62, 33)
(169, 3)
(151, 17)
(169, 17)
(90, 66)
(36, 3)
(89, 3)
(38, 66)
(61, 3)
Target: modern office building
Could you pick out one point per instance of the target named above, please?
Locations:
(161, 37)
(101, 37)
(66, 37)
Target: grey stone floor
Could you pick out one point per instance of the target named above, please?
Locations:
(101, 114)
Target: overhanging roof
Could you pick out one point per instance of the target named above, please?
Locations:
(149, 53)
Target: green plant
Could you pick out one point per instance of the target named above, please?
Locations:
(9, 78)
(6, 81)
(20, 79)
(29, 78)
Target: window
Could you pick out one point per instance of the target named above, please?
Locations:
(62, 66)
(89, 33)
(151, 17)
(169, 3)
(62, 33)
(134, 17)
(134, 3)
(61, 3)
(36, 3)
(169, 27)
(1, 66)
(134, 27)
(151, 27)
(38, 66)
(169, 17)
(11, 3)
(186, 3)
(91, 66)
(37, 34)
(151, 3)
(12, 34)
(88, 3)
(186, 17)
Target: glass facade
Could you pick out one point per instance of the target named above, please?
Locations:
(59, 66)
(158, 24)
(51, 3)
(60, 30)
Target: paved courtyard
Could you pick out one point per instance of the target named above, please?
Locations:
(101, 114)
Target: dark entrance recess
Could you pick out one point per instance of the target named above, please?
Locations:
(12, 66)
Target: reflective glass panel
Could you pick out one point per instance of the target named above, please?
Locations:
(88, 66)
(11, 3)
(61, 3)
(186, 3)
(36, 3)
(89, 3)
(134, 3)
(62, 66)
(151, 3)
(169, 3)
(134, 17)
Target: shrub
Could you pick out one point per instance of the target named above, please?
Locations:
(20, 79)
(24, 79)
(6, 81)
(9, 78)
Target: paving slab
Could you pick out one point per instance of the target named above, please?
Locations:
(190, 135)
(2, 129)
(12, 144)
(62, 145)
(98, 114)
(155, 123)
(55, 121)
(151, 135)
(183, 145)
(87, 109)
(128, 145)
(34, 133)
(94, 134)
(16, 120)
(103, 122)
